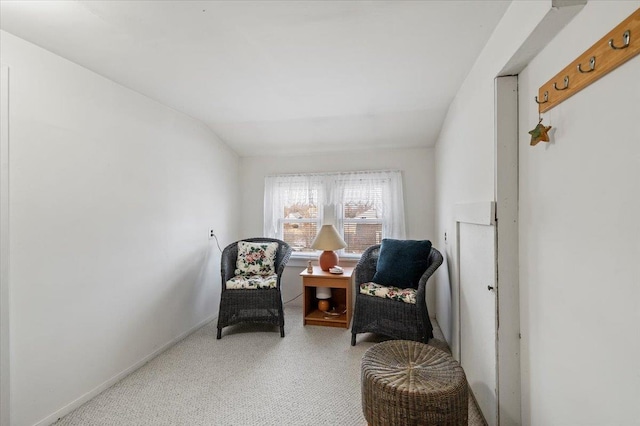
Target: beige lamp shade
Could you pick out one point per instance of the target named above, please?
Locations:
(328, 240)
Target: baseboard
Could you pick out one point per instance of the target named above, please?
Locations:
(107, 384)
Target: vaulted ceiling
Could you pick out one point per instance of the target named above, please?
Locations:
(277, 77)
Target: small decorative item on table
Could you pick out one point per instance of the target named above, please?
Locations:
(336, 270)
(309, 267)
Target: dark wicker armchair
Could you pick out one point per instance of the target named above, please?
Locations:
(251, 305)
(389, 317)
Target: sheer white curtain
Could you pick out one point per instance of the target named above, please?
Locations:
(287, 190)
(382, 189)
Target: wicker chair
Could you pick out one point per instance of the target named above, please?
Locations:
(251, 305)
(389, 317)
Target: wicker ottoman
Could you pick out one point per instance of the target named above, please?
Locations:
(410, 383)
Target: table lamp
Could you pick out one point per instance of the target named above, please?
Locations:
(328, 240)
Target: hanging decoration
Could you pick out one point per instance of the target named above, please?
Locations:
(540, 133)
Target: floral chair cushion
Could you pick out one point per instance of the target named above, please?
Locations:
(252, 282)
(256, 258)
(406, 295)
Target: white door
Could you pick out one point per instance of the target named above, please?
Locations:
(477, 257)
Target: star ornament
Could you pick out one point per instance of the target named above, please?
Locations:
(540, 133)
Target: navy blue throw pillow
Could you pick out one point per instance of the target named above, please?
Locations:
(402, 262)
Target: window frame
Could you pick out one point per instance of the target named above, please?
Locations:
(282, 221)
(331, 204)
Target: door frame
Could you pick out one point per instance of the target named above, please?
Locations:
(5, 385)
(503, 214)
(507, 273)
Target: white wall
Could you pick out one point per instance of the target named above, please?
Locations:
(579, 238)
(464, 155)
(111, 198)
(418, 177)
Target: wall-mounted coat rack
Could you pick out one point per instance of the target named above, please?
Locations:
(617, 47)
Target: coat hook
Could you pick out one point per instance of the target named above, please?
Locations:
(566, 84)
(592, 66)
(546, 98)
(626, 37)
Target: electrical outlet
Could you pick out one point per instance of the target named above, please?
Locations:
(211, 233)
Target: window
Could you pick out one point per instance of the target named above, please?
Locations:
(361, 219)
(300, 221)
(364, 206)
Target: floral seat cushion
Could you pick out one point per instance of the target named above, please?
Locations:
(252, 282)
(256, 258)
(406, 295)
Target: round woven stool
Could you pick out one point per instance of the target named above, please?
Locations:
(410, 383)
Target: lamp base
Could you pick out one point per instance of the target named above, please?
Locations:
(328, 259)
(323, 305)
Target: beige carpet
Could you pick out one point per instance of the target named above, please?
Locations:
(249, 377)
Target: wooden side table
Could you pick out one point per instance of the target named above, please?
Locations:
(341, 297)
